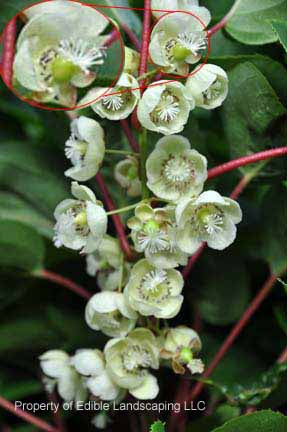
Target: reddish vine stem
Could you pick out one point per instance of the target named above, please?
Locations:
(9, 37)
(136, 43)
(29, 418)
(283, 357)
(246, 160)
(145, 39)
(225, 19)
(130, 137)
(66, 283)
(116, 218)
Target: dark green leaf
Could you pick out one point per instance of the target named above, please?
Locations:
(251, 22)
(223, 299)
(262, 421)
(221, 415)
(280, 28)
(21, 246)
(274, 229)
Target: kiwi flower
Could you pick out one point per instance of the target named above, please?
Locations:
(59, 372)
(129, 360)
(162, 7)
(164, 108)
(81, 223)
(181, 344)
(85, 148)
(209, 218)
(174, 170)
(154, 292)
(108, 265)
(208, 87)
(110, 313)
(115, 103)
(126, 173)
(52, 60)
(154, 233)
(178, 40)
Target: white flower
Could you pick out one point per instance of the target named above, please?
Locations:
(81, 223)
(209, 218)
(164, 108)
(85, 148)
(91, 363)
(59, 371)
(126, 173)
(208, 87)
(107, 264)
(110, 313)
(153, 232)
(128, 360)
(178, 40)
(161, 7)
(152, 291)
(115, 103)
(180, 344)
(174, 170)
(59, 50)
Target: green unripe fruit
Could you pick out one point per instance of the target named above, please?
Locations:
(151, 227)
(180, 52)
(63, 70)
(132, 172)
(186, 355)
(81, 219)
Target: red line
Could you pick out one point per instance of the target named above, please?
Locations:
(130, 137)
(65, 282)
(29, 418)
(145, 38)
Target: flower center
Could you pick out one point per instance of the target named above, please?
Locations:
(191, 43)
(213, 92)
(132, 173)
(167, 109)
(186, 355)
(154, 286)
(210, 219)
(75, 149)
(81, 54)
(136, 357)
(113, 102)
(152, 238)
(178, 171)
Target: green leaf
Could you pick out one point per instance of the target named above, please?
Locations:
(125, 16)
(157, 426)
(274, 229)
(251, 22)
(31, 173)
(256, 391)
(273, 71)
(221, 415)
(250, 111)
(216, 304)
(280, 28)
(262, 421)
(20, 389)
(15, 208)
(280, 313)
(21, 246)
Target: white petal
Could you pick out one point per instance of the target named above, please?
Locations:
(149, 389)
(88, 362)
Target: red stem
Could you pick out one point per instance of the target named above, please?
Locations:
(225, 19)
(116, 218)
(130, 137)
(112, 37)
(9, 37)
(145, 39)
(136, 43)
(57, 414)
(283, 357)
(29, 418)
(65, 282)
(246, 160)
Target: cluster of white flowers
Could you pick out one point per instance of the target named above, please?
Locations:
(164, 237)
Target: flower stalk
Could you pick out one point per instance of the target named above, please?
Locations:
(221, 24)
(65, 282)
(9, 38)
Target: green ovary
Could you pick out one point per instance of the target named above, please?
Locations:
(63, 70)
